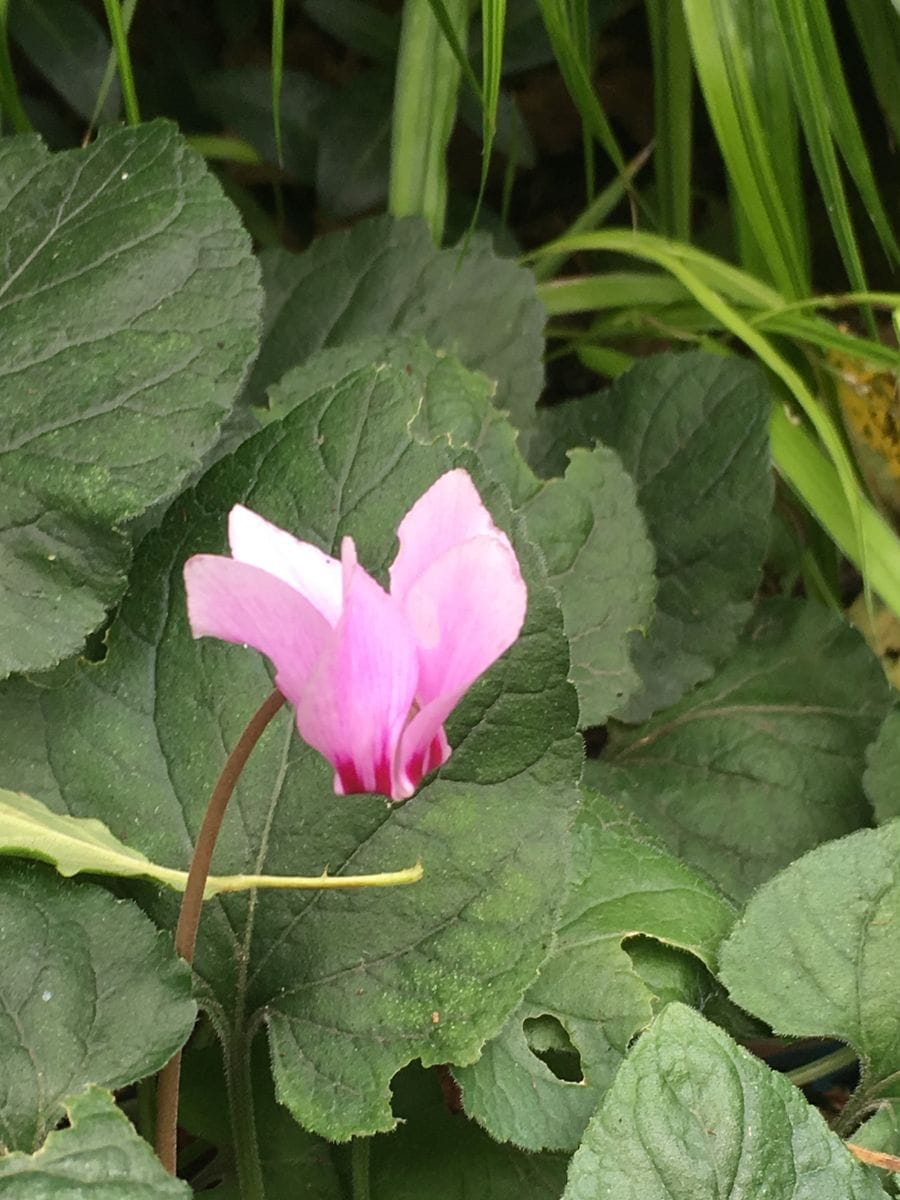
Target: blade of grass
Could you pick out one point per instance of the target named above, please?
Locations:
(878, 29)
(580, 24)
(67, 44)
(493, 17)
(10, 102)
(596, 212)
(425, 95)
(123, 59)
(576, 76)
(863, 536)
(836, 99)
(109, 75)
(719, 56)
(277, 76)
(614, 289)
(826, 336)
(605, 361)
(760, 304)
(590, 293)
(771, 86)
(225, 149)
(883, 575)
(445, 20)
(673, 85)
(737, 285)
(809, 92)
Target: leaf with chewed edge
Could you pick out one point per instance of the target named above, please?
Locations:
(98, 1154)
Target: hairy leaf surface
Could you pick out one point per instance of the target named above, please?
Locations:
(765, 760)
(129, 302)
(350, 987)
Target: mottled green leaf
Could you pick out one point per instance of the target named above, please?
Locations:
(97, 1155)
(588, 524)
(765, 760)
(130, 306)
(90, 992)
(352, 986)
(691, 430)
(386, 276)
(624, 885)
(692, 1116)
(827, 928)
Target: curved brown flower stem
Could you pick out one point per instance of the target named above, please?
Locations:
(168, 1084)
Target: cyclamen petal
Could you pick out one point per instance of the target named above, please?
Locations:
(305, 567)
(242, 604)
(372, 675)
(465, 609)
(448, 514)
(360, 693)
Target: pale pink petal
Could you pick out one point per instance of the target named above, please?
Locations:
(358, 697)
(449, 513)
(242, 604)
(465, 610)
(315, 574)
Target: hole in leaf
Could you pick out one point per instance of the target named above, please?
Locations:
(595, 739)
(548, 1040)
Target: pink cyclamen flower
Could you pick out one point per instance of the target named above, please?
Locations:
(372, 674)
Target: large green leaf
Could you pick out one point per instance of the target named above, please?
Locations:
(98, 1154)
(691, 431)
(352, 987)
(594, 541)
(587, 524)
(90, 992)
(624, 885)
(385, 276)
(764, 761)
(826, 928)
(130, 308)
(440, 1153)
(692, 1116)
